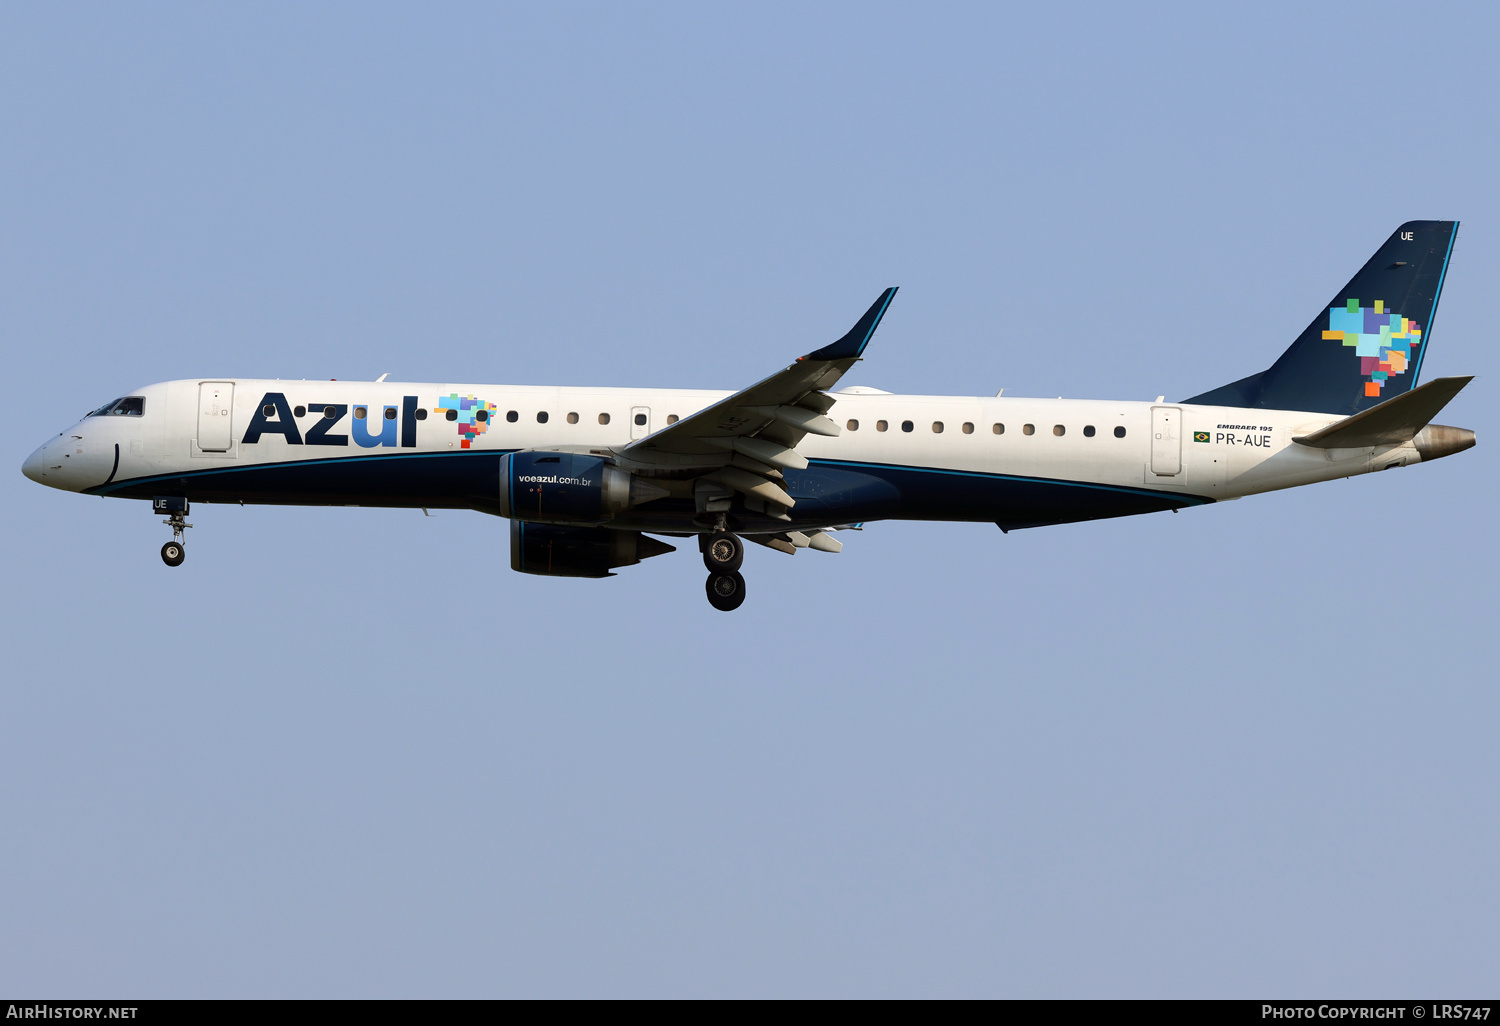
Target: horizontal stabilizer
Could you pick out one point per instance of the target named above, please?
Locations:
(1393, 421)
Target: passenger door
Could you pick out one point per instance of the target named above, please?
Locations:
(1166, 441)
(215, 427)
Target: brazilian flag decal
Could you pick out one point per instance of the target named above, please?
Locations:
(1200, 436)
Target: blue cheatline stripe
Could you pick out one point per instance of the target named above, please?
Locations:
(1187, 499)
(1192, 500)
(1416, 374)
(242, 468)
(890, 295)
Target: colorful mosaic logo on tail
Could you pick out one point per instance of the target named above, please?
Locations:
(473, 415)
(1384, 342)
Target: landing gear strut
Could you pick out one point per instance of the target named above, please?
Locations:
(723, 554)
(173, 552)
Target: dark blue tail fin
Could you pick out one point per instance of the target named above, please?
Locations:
(1367, 345)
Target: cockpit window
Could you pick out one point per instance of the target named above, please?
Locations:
(130, 406)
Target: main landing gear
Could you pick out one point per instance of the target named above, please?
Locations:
(725, 591)
(176, 508)
(723, 554)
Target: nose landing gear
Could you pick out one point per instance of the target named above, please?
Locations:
(176, 508)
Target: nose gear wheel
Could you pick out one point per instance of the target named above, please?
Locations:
(174, 552)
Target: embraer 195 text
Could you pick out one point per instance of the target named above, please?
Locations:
(585, 475)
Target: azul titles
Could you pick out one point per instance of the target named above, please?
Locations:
(371, 426)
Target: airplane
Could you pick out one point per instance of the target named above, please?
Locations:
(586, 476)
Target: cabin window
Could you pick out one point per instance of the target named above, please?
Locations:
(512, 416)
(421, 413)
(999, 429)
(360, 413)
(332, 413)
(269, 410)
(968, 428)
(572, 418)
(881, 425)
(390, 413)
(299, 411)
(452, 414)
(1088, 431)
(1028, 429)
(907, 426)
(1119, 432)
(852, 425)
(672, 418)
(1059, 430)
(482, 416)
(541, 417)
(604, 418)
(937, 427)
(640, 420)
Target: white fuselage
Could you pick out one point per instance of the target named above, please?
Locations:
(189, 427)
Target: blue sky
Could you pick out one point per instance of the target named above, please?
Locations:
(1246, 750)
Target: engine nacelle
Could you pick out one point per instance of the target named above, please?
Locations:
(554, 551)
(568, 488)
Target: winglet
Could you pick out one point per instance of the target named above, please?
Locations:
(853, 344)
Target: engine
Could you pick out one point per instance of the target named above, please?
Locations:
(568, 488)
(553, 551)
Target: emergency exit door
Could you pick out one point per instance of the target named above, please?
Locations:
(215, 403)
(1166, 441)
(640, 421)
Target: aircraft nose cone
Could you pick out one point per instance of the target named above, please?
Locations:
(35, 464)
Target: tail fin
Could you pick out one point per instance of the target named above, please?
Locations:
(1368, 344)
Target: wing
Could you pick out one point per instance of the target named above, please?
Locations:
(743, 442)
